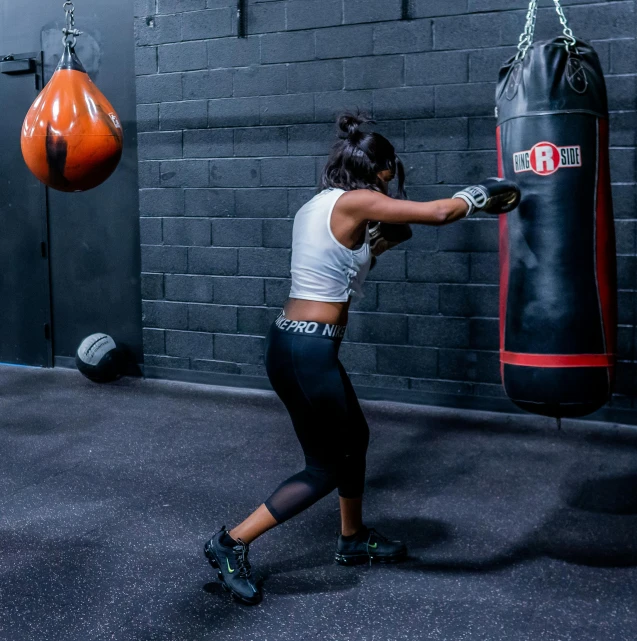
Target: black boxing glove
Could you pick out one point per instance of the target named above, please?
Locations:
(384, 236)
(493, 196)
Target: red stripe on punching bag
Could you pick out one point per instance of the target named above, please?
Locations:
(605, 243)
(557, 360)
(504, 256)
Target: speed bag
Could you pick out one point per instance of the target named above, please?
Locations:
(72, 138)
(558, 275)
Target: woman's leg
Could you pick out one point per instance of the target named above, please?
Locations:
(295, 367)
(331, 428)
(352, 473)
(351, 515)
(258, 523)
(329, 423)
(291, 497)
(357, 543)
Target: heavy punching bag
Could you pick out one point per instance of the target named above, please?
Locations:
(71, 137)
(558, 295)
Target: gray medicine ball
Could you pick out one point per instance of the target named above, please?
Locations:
(98, 358)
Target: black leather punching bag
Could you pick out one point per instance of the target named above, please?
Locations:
(557, 249)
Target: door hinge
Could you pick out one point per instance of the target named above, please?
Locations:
(43, 249)
(47, 331)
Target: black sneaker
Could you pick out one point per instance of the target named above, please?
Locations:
(369, 546)
(234, 569)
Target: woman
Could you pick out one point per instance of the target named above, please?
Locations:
(331, 257)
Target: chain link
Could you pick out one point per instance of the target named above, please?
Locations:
(526, 39)
(69, 31)
(568, 34)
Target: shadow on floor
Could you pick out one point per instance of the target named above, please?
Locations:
(595, 527)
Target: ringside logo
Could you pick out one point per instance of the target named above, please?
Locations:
(545, 158)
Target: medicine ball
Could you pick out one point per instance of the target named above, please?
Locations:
(98, 358)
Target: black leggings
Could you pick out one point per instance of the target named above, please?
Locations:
(301, 359)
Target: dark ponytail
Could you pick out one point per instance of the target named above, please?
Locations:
(358, 157)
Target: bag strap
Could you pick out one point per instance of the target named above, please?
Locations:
(526, 39)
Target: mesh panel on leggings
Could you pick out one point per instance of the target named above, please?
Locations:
(300, 492)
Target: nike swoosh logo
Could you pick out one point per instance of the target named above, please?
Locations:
(229, 568)
(374, 546)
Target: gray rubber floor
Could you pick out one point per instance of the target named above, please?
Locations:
(517, 532)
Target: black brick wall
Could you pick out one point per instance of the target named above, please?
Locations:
(233, 133)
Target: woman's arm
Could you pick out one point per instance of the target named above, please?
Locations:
(363, 204)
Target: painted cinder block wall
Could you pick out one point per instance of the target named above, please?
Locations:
(234, 131)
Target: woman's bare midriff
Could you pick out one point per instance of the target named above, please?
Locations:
(312, 310)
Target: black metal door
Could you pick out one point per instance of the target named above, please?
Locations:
(24, 265)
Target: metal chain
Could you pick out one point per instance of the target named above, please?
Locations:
(568, 34)
(526, 39)
(70, 32)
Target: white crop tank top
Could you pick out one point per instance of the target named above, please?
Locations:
(322, 268)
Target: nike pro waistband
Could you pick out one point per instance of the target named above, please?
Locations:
(310, 328)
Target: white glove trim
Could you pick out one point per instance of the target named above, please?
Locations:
(475, 197)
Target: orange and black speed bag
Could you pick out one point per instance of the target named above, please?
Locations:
(71, 137)
(558, 292)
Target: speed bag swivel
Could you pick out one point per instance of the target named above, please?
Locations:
(558, 291)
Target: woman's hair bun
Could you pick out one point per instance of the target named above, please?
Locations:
(349, 124)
